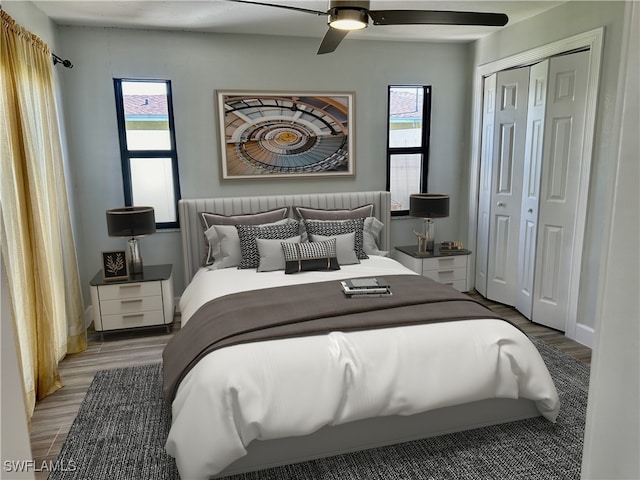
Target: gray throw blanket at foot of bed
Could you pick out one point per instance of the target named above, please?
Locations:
(308, 309)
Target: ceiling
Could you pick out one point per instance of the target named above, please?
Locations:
(229, 17)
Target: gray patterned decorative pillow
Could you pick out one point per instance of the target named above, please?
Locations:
(308, 256)
(340, 227)
(249, 233)
(209, 220)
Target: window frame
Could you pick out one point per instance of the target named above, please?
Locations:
(423, 149)
(127, 155)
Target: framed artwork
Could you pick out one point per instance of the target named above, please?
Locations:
(285, 134)
(114, 265)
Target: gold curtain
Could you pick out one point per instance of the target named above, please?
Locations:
(37, 238)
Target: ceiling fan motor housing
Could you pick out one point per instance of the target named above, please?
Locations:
(348, 19)
(348, 15)
(350, 4)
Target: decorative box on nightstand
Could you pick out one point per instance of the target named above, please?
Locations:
(450, 269)
(143, 301)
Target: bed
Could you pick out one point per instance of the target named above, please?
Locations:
(290, 396)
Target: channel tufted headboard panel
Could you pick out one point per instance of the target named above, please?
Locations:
(193, 241)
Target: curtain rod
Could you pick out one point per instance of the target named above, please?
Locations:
(57, 59)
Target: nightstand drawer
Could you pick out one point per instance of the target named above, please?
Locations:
(460, 285)
(129, 290)
(447, 269)
(444, 263)
(446, 275)
(130, 320)
(141, 302)
(131, 305)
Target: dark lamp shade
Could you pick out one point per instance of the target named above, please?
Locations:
(131, 221)
(429, 205)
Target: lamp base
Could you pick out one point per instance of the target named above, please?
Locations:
(426, 240)
(135, 259)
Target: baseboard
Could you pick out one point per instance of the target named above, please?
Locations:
(584, 334)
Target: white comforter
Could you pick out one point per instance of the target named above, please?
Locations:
(295, 386)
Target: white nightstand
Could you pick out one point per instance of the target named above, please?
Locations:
(143, 301)
(450, 269)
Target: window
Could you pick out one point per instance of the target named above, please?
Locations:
(409, 110)
(148, 147)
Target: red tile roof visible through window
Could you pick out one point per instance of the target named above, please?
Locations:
(405, 104)
(145, 105)
(402, 104)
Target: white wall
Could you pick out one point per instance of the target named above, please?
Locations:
(612, 436)
(610, 256)
(569, 19)
(33, 19)
(14, 440)
(199, 63)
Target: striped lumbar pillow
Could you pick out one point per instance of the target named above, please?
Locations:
(310, 256)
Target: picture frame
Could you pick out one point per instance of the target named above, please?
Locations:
(271, 134)
(114, 265)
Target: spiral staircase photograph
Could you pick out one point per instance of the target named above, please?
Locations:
(272, 134)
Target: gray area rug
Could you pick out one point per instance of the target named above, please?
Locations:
(122, 423)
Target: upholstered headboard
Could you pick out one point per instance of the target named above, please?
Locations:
(193, 240)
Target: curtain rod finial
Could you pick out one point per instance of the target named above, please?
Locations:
(65, 63)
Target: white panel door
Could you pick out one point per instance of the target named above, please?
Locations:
(484, 190)
(506, 197)
(561, 167)
(531, 187)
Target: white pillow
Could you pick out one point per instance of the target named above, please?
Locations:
(371, 234)
(224, 244)
(225, 247)
(210, 219)
(271, 253)
(332, 228)
(345, 246)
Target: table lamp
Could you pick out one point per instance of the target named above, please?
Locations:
(428, 206)
(132, 222)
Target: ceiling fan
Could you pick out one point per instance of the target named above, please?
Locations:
(347, 15)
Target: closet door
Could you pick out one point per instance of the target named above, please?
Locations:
(506, 197)
(556, 258)
(484, 190)
(531, 187)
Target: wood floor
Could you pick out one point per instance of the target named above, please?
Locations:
(548, 335)
(54, 415)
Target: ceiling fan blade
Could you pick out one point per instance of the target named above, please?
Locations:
(436, 17)
(287, 7)
(331, 40)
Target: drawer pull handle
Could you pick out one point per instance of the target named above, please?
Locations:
(134, 315)
(446, 259)
(137, 285)
(133, 300)
(447, 283)
(446, 271)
